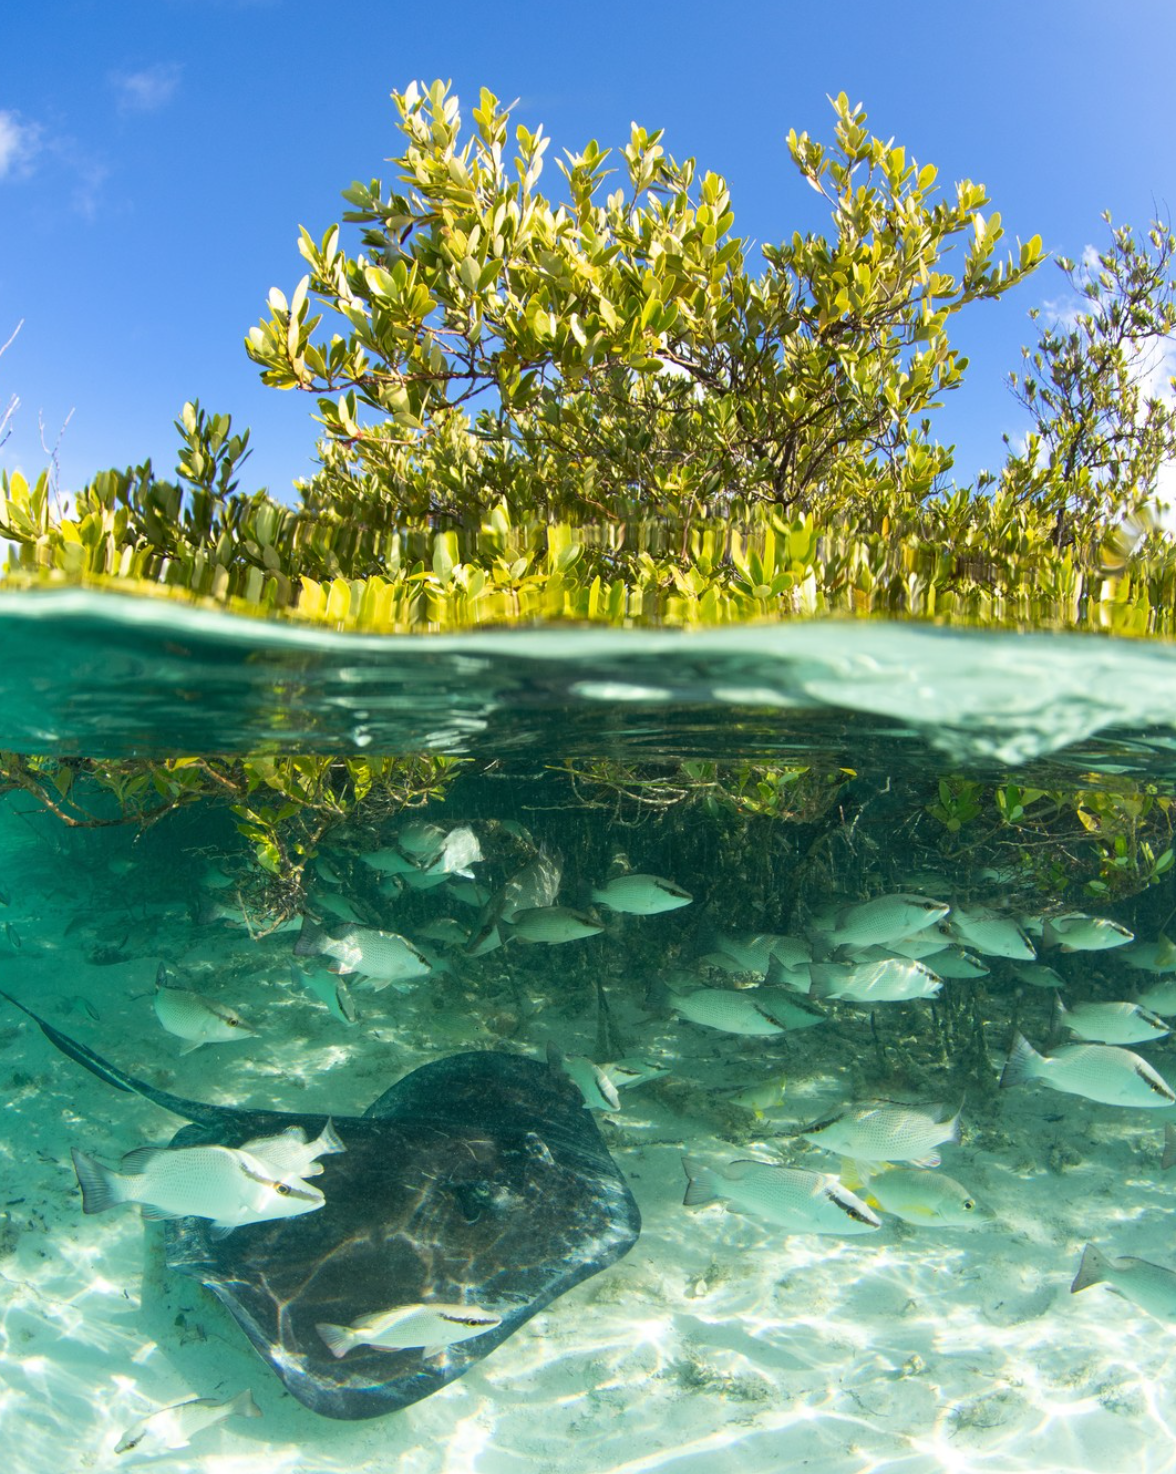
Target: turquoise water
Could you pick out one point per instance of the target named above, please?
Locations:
(778, 777)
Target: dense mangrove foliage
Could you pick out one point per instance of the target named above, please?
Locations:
(603, 405)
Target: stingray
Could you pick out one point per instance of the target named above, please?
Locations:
(478, 1179)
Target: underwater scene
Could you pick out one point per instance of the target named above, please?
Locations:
(612, 1051)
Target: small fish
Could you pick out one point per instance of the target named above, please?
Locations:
(956, 962)
(1078, 932)
(553, 924)
(1160, 998)
(534, 886)
(1157, 956)
(445, 931)
(991, 932)
(420, 840)
(431, 1327)
(599, 1092)
(1112, 1023)
(388, 861)
(894, 980)
(1037, 975)
(174, 1427)
(331, 904)
(761, 1098)
(222, 1183)
(13, 936)
(886, 919)
(196, 1019)
(382, 956)
(925, 1198)
(1101, 1072)
(749, 1011)
(329, 989)
(795, 1200)
(626, 1073)
(755, 953)
(214, 878)
(641, 895)
(5, 899)
(1147, 1285)
(459, 850)
(291, 1155)
(886, 1132)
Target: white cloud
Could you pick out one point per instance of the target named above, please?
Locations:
(18, 144)
(148, 90)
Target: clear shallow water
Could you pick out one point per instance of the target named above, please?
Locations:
(720, 1342)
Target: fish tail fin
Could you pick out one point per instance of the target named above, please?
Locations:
(243, 1405)
(310, 937)
(338, 1339)
(700, 1184)
(1168, 1161)
(332, 1141)
(1022, 1063)
(99, 1184)
(1091, 1271)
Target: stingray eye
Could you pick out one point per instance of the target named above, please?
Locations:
(283, 1188)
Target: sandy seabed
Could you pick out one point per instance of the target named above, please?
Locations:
(718, 1344)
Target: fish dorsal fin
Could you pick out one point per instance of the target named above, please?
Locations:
(191, 1110)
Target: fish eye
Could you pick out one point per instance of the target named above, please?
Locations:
(232, 1022)
(283, 1188)
(969, 1204)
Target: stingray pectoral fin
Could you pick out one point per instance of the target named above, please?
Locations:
(191, 1110)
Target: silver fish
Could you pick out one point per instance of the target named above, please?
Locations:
(459, 850)
(222, 1183)
(991, 932)
(1158, 956)
(420, 840)
(1037, 974)
(175, 1427)
(641, 895)
(534, 886)
(886, 919)
(956, 962)
(750, 1011)
(1160, 998)
(553, 925)
(599, 1092)
(893, 980)
(329, 989)
(430, 1326)
(755, 952)
(929, 1199)
(382, 956)
(1147, 1285)
(886, 1132)
(1112, 1023)
(795, 1200)
(631, 1071)
(1101, 1072)
(196, 1019)
(388, 861)
(291, 1155)
(1078, 932)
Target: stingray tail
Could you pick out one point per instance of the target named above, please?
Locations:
(191, 1110)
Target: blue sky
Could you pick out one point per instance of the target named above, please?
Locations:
(156, 160)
